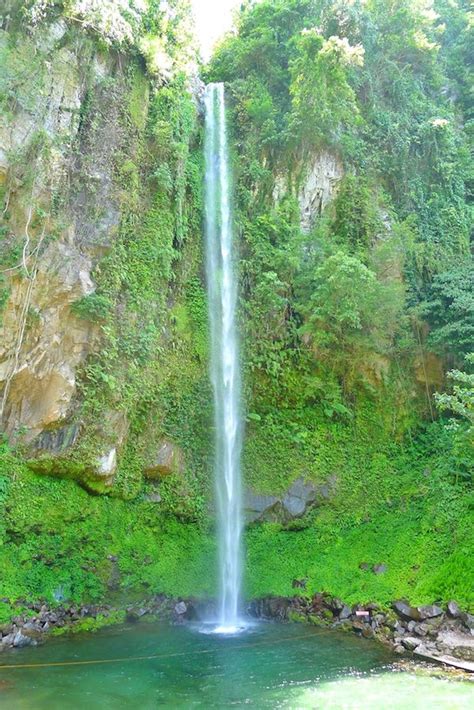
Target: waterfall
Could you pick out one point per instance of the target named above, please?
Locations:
(224, 361)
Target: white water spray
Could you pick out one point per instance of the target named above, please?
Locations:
(222, 295)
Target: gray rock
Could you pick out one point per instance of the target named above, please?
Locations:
(429, 611)
(431, 655)
(405, 611)
(293, 504)
(20, 640)
(259, 507)
(453, 610)
(345, 612)
(421, 629)
(468, 621)
(299, 497)
(379, 569)
(410, 642)
(59, 439)
(154, 497)
(180, 608)
(8, 639)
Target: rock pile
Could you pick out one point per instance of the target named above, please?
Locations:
(429, 631)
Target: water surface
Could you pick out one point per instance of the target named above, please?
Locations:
(270, 666)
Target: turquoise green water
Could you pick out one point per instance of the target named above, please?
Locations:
(270, 666)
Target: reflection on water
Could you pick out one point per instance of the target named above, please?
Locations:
(271, 666)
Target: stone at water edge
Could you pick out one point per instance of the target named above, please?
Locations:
(180, 608)
(345, 612)
(410, 642)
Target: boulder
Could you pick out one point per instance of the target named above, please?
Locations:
(429, 611)
(180, 608)
(405, 611)
(379, 569)
(260, 507)
(410, 642)
(299, 497)
(345, 612)
(291, 505)
(20, 640)
(453, 610)
(168, 458)
(468, 621)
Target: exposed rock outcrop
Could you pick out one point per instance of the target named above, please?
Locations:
(167, 459)
(318, 187)
(39, 369)
(293, 504)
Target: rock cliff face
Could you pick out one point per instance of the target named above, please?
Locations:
(88, 148)
(42, 342)
(317, 186)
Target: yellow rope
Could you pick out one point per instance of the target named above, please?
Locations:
(92, 662)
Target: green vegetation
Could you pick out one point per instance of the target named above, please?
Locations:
(348, 321)
(341, 324)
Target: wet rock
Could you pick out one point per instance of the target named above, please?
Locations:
(8, 639)
(270, 608)
(20, 640)
(57, 440)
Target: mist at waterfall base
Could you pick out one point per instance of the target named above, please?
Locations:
(224, 359)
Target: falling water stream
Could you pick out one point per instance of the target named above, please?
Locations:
(224, 362)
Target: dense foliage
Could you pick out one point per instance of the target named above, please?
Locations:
(352, 319)
(349, 321)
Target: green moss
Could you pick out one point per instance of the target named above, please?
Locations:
(91, 625)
